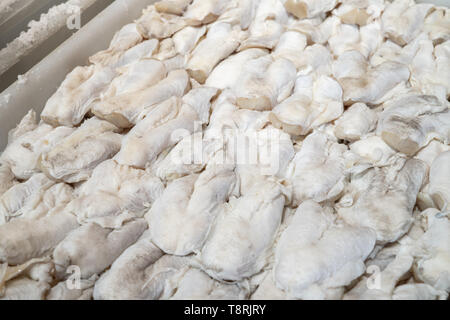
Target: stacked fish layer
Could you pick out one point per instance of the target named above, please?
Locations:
(242, 149)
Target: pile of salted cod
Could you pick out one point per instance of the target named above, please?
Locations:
(242, 149)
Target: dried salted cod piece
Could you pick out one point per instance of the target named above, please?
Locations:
(73, 99)
(7, 179)
(309, 8)
(204, 11)
(315, 251)
(153, 24)
(27, 124)
(75, 157)
(199, 199)
(172, 124)
(93, 248)
(344, 38)
(160, 276)
(25, 289)
(374, 151)
(264, 82)
(221, 40)
(312, 104)
(128, 274)
(437, 25)
(227, 72)
(356, 121)
(24, 239)
(316, 61)
(385, 201)
(408, 123)
(19, 199)
(267, 26)
(62, 291)
(172, 6)
(124, 110)
(126, 38)
(239, 243)
(22, 154)
(127, 193)
(377, 82)
(418, 291)
(290, 46)
(319, 165)
(44, 202)
(439, 188)
(187, 38)
(136, 76)
(197, 285)
(403, 19)
(431, 266)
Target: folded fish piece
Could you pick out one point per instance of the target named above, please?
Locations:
(266, 28)
(264, 83)
(161, 277)
(386, 203)
(19, 198)
(316, 61)
(187, 38)
(319, 164)
(436, 24)
(267, 289)
(27, 124)
(309, 8)
(410, 122)
(198, 202)
(356, 121)
(204, 11)
(22, 154)
(197, 285)
(431, 265)
(344, 38)
(46, 201)
(25, 289)
(143, 50)
(402, 20)
(136, 76)
(239, 241)
(124, 39)
(290, 46)
(228, 72)
(126, 192)
(386, 280)
(148, 139)
(24, 239)
(74, 157)
(153, 24)
(7, 179)
(314, 249)
(439, 187)
(61, 290)
(221, 40)
(418, 291)
(93, 248)
(172, 6)
(126, 278)
(377, 82)
(350, 64)
(36, 268)
(124, 110)
(375, 151)
(311, 105)
(73, 99)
